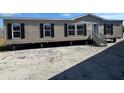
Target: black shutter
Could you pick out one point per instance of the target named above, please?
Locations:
(65, 30)
(111, 29)
(22, 30)
(85, 30)
(41, 31)
(9, 31)
(52, 30)
(104, 29)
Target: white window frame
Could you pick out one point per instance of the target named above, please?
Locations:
(108, 29)
(74, 29)
(17, 31)
(46, 30)
(77, 29)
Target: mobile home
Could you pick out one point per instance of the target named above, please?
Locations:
(34, 30)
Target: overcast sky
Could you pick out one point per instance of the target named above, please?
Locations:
(59, 15)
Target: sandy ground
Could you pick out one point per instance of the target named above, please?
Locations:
(47, 63)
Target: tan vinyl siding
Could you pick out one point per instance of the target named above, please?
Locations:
(59, 30)
(32, 30)
(32, 34)
(117, 32)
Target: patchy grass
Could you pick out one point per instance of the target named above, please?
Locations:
(1, 42)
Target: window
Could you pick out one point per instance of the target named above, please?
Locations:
(47, 29)
(16, 30)
(80, 29)
(71, 29)
(108, 28)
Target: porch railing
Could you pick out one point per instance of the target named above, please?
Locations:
(99, 39)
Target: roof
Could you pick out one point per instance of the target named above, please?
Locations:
(29, 18)
(88, 14)
(113, 20)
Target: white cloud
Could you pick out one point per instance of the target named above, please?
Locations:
(66, 14)
(113, 16)
(9, 14)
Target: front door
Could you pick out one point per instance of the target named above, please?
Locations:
(95, 28)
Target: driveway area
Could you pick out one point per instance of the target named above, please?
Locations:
(70, 62)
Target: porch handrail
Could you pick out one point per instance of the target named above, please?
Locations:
(99, 38)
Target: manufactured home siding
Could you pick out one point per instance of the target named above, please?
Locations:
(32, 33)
(117, 32)
(32, 30)
(59, 30)
(117, 29)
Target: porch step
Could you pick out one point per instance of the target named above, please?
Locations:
(99, 39)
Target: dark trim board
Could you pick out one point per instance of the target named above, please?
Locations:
(9, 31)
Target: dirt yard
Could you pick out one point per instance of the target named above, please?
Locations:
(70, 62)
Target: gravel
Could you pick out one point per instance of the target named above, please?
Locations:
(47, 63)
